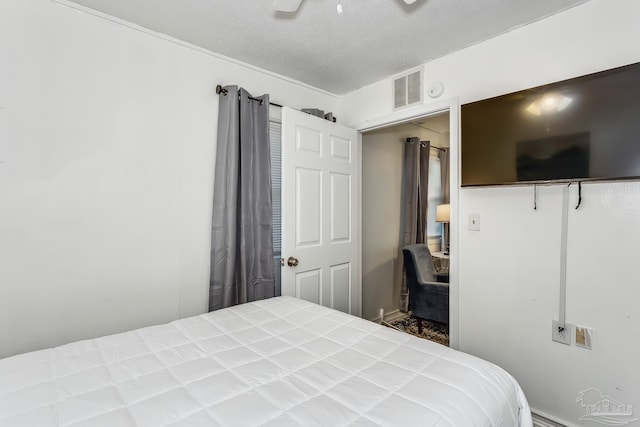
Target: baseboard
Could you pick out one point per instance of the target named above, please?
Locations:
(393, 315)
(540, 419)
(389, 317)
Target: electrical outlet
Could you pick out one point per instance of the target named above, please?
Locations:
(562, 336)
(474, 222)
(583, 337)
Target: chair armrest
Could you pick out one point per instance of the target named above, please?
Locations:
(438, 287)
(442, 277)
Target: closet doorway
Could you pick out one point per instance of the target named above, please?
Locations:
(383, 151)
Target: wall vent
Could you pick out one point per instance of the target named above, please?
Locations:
(407, 89)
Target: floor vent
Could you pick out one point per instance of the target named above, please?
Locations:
(407, 89)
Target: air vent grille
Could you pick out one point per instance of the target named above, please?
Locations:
(407, 90)
(414, 88)
(400, 92)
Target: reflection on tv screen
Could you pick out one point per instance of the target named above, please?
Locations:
(558, 157)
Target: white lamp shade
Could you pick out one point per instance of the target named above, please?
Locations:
(443, 213)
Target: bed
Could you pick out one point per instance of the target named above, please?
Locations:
(276, 362)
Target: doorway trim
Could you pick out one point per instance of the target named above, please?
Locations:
(451, 106)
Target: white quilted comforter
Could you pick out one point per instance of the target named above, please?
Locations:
(278, 362)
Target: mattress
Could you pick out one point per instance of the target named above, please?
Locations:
(276, 362)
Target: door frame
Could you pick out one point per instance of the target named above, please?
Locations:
(452, 106)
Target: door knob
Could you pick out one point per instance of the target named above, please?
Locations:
(292, 262)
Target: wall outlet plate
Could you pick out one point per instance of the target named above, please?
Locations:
(583, 337)
(563, 336)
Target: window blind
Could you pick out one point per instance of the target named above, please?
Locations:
(275, 136)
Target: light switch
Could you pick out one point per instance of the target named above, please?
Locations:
(474, 222)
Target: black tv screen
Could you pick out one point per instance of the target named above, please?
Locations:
(587, 128)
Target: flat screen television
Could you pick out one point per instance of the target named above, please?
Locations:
(586, 128)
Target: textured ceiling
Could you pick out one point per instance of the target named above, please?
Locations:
(370, 40)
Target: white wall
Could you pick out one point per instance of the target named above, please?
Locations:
(382, 154)
(107, 146)
(508, 271)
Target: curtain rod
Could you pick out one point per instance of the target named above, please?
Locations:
(411, 140)
(223, 91)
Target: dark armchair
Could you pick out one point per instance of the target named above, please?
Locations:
(428, 299)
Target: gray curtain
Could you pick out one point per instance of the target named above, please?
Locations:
(242, 267)
(415, 184)
(444, 173)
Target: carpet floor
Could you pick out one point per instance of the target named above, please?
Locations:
(434, 331)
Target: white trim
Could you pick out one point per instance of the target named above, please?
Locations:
(452, 106)
(187, 45)
(358, 230)
(455, 172)
(540, 422)
(393, 315)
(402, 116)
(540, 419)
(389, 317)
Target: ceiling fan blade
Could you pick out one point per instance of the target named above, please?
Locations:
(409, 1)
(287, 5)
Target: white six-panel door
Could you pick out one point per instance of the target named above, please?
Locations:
(320, 211)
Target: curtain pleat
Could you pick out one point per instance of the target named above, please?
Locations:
(415, 185)
(444, 174)
(423, 187)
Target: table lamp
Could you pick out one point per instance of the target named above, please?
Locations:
(443, 215)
